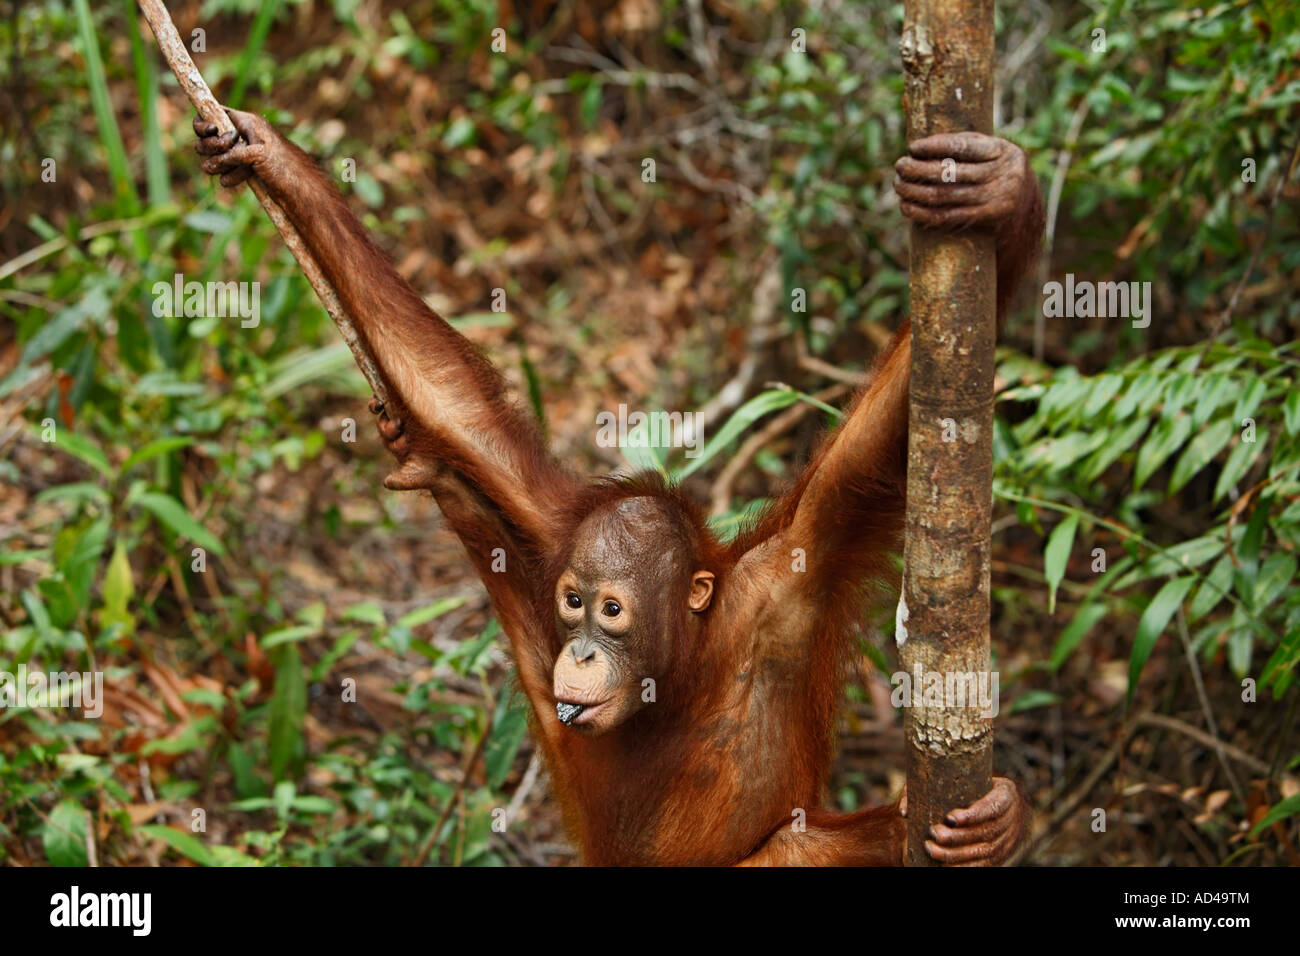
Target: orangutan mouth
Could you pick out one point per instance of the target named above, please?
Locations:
(568, 712)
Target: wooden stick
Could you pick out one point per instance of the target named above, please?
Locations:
(191, 81)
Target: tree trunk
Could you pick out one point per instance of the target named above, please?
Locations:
(947, 51)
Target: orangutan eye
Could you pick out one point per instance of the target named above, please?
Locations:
(612, 609)
(573, 600)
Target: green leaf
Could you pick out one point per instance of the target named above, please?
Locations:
(282, 797)
(166, 383)
(64, 834)
(1057, 556)
(58, 329)
(754, 409)
(367, 612)
(591, 98)
(1241, 647)
(243, 771)
(205, 697)
(160, 446)
(110, 136)
(643, 453)
(173, 514)
(1191, 553)
(368, 188)
(508, 732)
(285, 744)
(77, 552)
(1176, 560)
(1144, 388)
(23, 556)
(1083, 621)
(252, 804)
(1167, 437)
(1201, 450)
(229, 856)
(75, 492)
(1249, 401)
(342, 644)
(193, 737)
(1281, 667)
(1059, 453)
(1182, 391)
(1239, 462)
(1034, 698)
(212, 221)
(38, 613)
(1279, 811)
(1218, 391)
(1102, 394)
(301, 366)
(472, 655)
(287, 635)
(306, 803)
(1213, 590)
(460, 132)
(118, 589)
(312, 614)
(1291, 412)
(1279, 570)
(1152, 625)
(187, 844)
(80, 447)
(425, 614)
(1248, 549)
(1112, 448)
(400, 638)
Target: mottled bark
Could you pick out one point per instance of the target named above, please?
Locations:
(947, 51)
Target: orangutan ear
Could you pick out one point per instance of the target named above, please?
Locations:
(701, 591)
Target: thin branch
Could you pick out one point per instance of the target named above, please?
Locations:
(1243, 757)
(92, 858)
(764, 329)
(824, 368)
(423, 855)
(1063, 159)
(1066, 808)
(1194, 666)
(1283, 179)
(191, 81)
(721, 496)
(525, 787)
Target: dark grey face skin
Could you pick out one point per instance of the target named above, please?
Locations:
(622, 561)
(626, 568)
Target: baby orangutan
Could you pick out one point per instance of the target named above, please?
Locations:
(684, 691)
